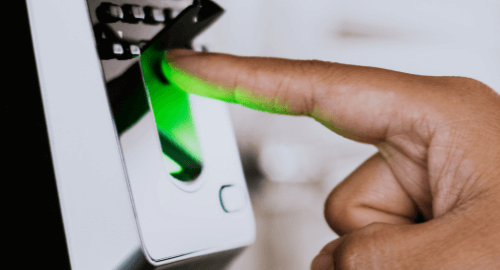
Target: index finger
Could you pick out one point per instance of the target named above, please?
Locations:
(360, 103)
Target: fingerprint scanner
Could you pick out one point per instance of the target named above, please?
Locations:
(182, 156)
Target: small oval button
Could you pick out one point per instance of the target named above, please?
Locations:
(232, 198)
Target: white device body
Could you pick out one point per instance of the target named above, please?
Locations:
(116, 198)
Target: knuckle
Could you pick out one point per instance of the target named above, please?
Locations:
(366, 248)
(322, 73)
(468, 89)
(470, 83)
(462, 100)
(336, 211)
(341, 210)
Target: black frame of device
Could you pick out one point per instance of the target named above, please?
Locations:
(33, 217)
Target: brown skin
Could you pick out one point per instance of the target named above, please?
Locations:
(439, 155)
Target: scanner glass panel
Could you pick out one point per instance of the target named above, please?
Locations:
(135, 86)
(182, 155)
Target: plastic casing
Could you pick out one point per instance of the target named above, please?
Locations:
(116, 199)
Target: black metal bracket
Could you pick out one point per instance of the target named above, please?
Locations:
(193, 20)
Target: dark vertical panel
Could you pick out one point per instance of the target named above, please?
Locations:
(35, 233)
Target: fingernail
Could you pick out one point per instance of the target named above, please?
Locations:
(323, 261)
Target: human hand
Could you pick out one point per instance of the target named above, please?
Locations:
(439, 154)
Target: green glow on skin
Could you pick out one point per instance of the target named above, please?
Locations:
(182, 155)
(193, 85)
(239, 95)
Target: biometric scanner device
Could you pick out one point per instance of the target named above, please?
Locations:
(126, 171)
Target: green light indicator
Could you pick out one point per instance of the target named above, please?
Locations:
(182, 155)
(235, 94)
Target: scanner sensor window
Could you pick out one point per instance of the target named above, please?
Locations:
(181, 150)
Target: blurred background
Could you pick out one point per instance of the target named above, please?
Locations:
(292, 163)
